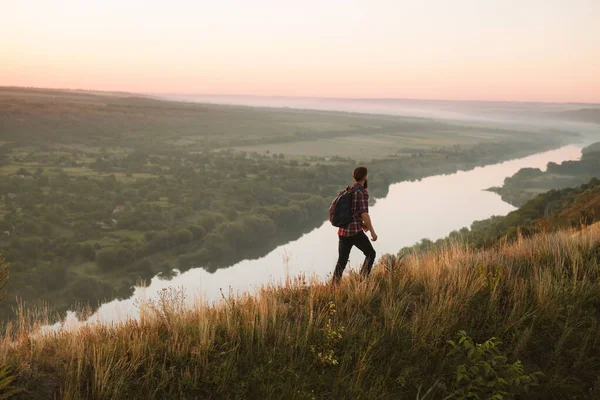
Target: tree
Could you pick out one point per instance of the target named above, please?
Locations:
(130, 194)
(231, 213)
(88, 252)
(183, 236)
(216, 246)
(113, 257)
(89, 288)
(107, 258)
(143, 266)
(198, 231)
(153, 195)
(31, 246)
(45, 229)
(54, 276)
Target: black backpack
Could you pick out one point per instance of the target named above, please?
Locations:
(340, 210)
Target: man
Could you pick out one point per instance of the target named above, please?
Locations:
(352, 234)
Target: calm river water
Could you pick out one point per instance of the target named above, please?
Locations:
(429, 208)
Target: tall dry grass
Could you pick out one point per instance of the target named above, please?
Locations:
(384, 337)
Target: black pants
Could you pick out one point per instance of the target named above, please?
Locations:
(361, 241)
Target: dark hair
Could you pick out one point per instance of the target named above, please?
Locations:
(359, 173)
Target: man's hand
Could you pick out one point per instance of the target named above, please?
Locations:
(368, 226)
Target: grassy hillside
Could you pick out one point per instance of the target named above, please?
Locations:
(529, 312)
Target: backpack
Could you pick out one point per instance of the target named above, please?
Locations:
(340, 210)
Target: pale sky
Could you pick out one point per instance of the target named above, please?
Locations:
(523, 50)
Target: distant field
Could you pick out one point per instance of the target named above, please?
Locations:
(591, 115)
(88, 122)
(373, 145)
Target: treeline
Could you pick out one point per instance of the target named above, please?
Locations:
(528, 182)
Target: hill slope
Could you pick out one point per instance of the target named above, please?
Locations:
(383, 338)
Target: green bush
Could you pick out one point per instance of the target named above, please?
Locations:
(482, 371)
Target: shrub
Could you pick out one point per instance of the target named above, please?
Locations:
(483, 371)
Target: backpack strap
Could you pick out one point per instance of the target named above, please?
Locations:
(353, 190)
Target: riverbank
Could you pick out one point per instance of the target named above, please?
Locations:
(383, 338)
(530, 182)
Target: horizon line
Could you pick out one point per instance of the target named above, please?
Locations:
(296, 97)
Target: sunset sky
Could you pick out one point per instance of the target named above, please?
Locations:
(523, 50)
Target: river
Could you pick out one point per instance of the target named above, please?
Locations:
(429, 208)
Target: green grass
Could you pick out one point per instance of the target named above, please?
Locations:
(385, 337)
